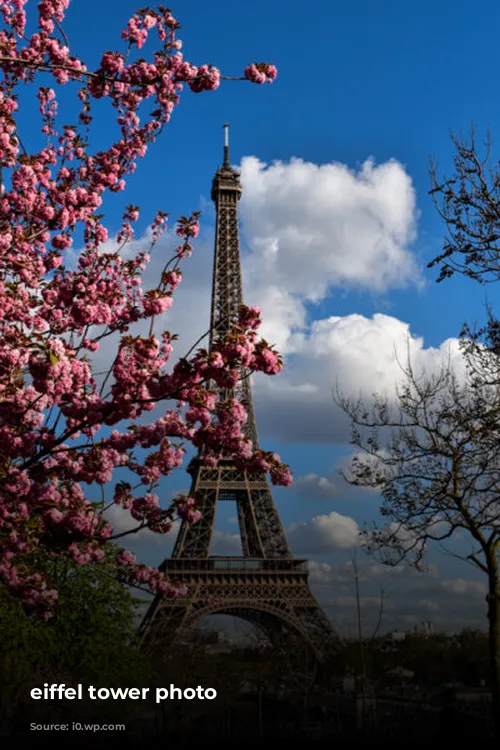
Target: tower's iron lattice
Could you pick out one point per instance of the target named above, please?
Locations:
(266, 586)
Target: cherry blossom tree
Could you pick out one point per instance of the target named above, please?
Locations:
(63, 428)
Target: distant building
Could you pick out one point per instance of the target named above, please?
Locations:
(425, 628)
(397, 635)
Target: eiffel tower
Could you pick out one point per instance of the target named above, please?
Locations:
(266, 586)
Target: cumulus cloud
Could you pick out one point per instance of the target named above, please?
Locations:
(411, 542)
(369, 570)
(122, 521)
(317, 487)
(310, 226)
(324, 534)
(464, 587)
(361, 355)
(409, 597)
(225, 543)
(330, 487)
(307, 229)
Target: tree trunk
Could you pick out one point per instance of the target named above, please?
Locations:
(493, 600)
(261, 723)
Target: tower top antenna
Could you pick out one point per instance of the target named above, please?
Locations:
(226, 144)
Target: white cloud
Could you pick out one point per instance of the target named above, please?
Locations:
(311, 226)
(317, 487)
(409, 597)
(323, 573)
(412, 542)
(463, 587)
(308, 228)
(122, 521)
(333, 486)
(323, 534)
(350, 602)
(427, 605)
(407, 539)
(225, 543)
(319, 572)
(362, 355)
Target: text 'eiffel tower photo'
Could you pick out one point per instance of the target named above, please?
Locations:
(266, 585)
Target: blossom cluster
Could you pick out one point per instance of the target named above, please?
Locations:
(62, 433)
(261, 72)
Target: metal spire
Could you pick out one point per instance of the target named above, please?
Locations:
(226, 145)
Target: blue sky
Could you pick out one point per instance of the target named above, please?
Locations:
(385, 81)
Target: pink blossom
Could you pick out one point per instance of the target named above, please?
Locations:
(66, 431)
(207, 78)
(261, 72)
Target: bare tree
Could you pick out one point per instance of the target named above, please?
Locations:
(382, 600)
(365, 688)
(266, 669)
(469, 204)
(434, 454)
